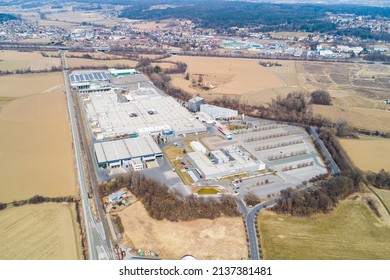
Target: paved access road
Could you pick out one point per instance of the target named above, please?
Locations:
(250, 215)
(99, 244)
(325, 152)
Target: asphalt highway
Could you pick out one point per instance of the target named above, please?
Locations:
(99, 244)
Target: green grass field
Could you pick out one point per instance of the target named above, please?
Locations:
(384, 195)
(208, 191)
(350, 232)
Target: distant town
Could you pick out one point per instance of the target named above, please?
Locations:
(188, 38)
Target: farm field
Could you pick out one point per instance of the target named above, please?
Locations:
(343, 79)
(232, 76)
(222, 238)
(368, 153)
(350, 232)
(164, 65)
(13, 60)
(29, 84)
(35, 145)
(384, 195)
(151, 25)
(39, 232)
(79, 62)
(78, 17)
(358, 90)
(371, 119)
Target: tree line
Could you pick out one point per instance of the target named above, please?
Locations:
(161, 203)
(380, 180)
(320, 200)
(37, 199)
(29, 71)
(161, 78)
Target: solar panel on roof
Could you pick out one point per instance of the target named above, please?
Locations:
(77, 78)
(91, 78)
(95, 77)
(82, 78)
(104, 76)
(100, 76)
(85, 77)
(72, 78)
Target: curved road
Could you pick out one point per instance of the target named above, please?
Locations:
(250, 215)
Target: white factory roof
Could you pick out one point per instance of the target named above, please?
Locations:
(218, 112)
(114, 196)
(126, 149)
(214, 170)
(197, 146)
(149, 114)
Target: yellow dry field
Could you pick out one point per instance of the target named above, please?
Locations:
(151, 56)
(150, 25)
(289, 34)
(79, 62)
(75, 16)
(97, 55)
(351, 232)
(358, 91)
(36, 41)
(13, 60)
(35, 145)
(371, 154)
(30, 84)
(39, 232)
(218, 239)
(233, 76)
(164, 65)
(78, 17)
(63, 24)
(371, 119)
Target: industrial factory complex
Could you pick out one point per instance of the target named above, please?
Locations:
(132, 123)
(229, 160)
(126, 152)
(127, 104)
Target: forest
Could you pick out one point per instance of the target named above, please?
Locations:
(6, 17)
(265, 17)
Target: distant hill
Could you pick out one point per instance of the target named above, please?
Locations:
(5, 17)
(225, 14)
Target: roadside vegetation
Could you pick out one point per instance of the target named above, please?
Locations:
(251, 199)
(379, 180)
(38, 199)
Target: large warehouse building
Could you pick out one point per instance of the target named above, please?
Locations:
(132, 106)
(218, 112)
(139, 115)
(194, 103)
(122, 153)
(225, 162)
